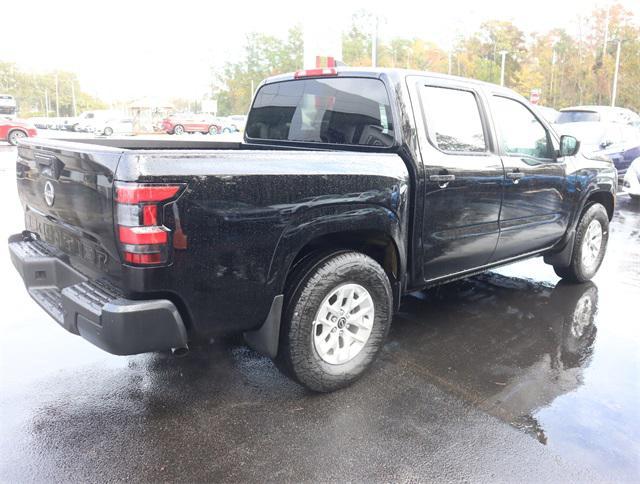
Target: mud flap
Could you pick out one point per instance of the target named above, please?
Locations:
(562, 257)
(265, 339)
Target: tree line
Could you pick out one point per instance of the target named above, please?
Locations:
(568, 69)
(33, 91)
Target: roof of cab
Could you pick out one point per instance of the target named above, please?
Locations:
(377, 72)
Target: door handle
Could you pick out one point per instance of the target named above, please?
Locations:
(516, 176)
(442, 178)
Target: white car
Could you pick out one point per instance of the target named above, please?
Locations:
(89, 121)
(114, 126)
(607, 114)
(548, 113)
(631, 183)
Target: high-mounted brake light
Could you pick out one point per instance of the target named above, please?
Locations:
(321, 72)
(143, 238)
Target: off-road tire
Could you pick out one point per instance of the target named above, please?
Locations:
(311, 281)
(577, 271)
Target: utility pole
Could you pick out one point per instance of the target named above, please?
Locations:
(552, 95)
(449, 71)
(73, 98)
(503, 53)
(57, 98)
(606, 34)
(46, 103)
(374, 45)
(614, 88)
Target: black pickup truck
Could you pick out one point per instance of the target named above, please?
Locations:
(352, 187)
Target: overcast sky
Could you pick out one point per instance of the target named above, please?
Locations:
(126, 49)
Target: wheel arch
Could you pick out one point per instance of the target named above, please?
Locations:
(562, 256)
(373, 230)
(603, 197)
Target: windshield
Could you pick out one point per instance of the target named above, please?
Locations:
(351, 111)
(577, 117)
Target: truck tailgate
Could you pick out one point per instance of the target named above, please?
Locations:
(67, 194)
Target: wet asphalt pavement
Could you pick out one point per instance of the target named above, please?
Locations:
(507, 376)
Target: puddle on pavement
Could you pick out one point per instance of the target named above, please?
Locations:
(558, 361)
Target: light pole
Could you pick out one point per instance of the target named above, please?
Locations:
(503, 53)
(374, 45)
(614, 88)
(57, 98)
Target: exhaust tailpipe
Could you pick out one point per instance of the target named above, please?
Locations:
(180, 351)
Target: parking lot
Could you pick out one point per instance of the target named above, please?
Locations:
(506, 376)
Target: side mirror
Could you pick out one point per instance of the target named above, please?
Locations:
(606, 143)
(569, 145)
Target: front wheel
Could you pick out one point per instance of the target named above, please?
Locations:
(337, 317)
(178, 129)
(590, 245)
(108, 131)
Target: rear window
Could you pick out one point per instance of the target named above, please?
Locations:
(577, 117)
(349, 111)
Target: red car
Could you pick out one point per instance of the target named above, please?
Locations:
(190, 123)
(12, 130)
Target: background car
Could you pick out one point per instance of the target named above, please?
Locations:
(238, 121)
(114, 126)
(631, 183)
(12, 130)
(190, 123)
(225, 125)
(8, 106)
(88, 121)
(616, 141)
(548, 113)
(605, 114)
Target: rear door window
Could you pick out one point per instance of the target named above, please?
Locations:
(346, 111)
(453, 120)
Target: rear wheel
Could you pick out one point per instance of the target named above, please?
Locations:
(213, 130)
(178, 129)
(108, 131)
(338, 313)
(590, 245)
(15, 136)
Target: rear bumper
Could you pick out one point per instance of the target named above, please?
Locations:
(94, 309)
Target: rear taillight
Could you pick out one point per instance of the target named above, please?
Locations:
(144, 240)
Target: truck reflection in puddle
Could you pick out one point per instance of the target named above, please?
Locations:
(509, 346)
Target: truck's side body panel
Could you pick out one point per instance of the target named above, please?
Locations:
(245, 216)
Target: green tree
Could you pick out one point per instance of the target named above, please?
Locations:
(264, 56)
(29, 90)
(356, 42)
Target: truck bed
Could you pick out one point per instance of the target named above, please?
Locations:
(243, 212)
